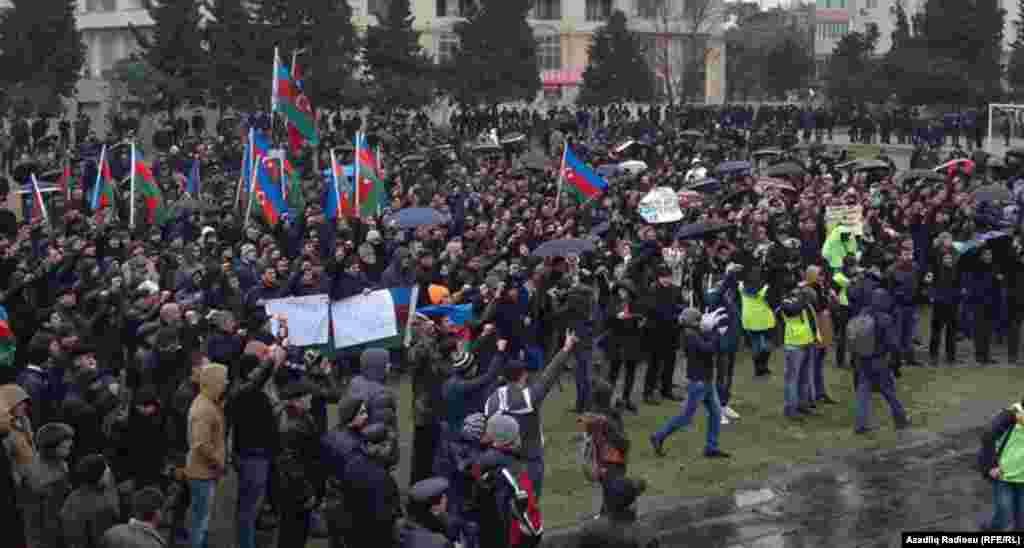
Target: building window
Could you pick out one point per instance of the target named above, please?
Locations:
(649, 9)
(872, 4)
(599, 10)
(547, 9)
(840, 4)
(131, 4)
(378, 7)
(108, 52)
(549, 52)
(447, 46)
(832, 31)
(100, 5)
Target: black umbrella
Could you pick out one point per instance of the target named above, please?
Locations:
(513, 138)
(993, 193)
(785, 169)
(414, 159)
(564, 248)
(919, 174)
(692, 133)
(697, 231)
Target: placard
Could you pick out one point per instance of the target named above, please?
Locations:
(660, 205)
(307, 316)
(851, 216)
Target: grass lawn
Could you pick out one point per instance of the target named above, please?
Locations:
(761, 441)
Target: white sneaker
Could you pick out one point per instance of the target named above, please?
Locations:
(729, 412)
(725, 420)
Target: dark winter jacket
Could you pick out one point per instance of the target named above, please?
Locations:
(700, 351)
(465, 396)
(982, 287)
(372, 499)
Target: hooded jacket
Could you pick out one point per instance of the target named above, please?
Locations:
(14, 533)
(369, 386)
(47, 484)
(206, 456)
(18, 441)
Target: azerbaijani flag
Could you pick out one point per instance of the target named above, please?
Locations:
(582, 181)
(268, 192)
(193, 182)
(66, 183)
(289, 100)
(257, 146)
(338, 197)
(151, 193)
(372, 195)
(401, 299)
(7, 340)
(295, 137)
(103, 190)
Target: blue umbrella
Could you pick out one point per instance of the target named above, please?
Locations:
(700, 230)
(609, 170)
(730, 167)
(601, 229)
(415, 216)
(563, 248)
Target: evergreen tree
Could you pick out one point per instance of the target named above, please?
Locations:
(324, 30)
(1015, 67)
(41, 50)
(497, 56)
(174, 49)
(400, 71)
(238, 74)
(791, 65)
(963, 39)
(852, 68)
(617, 69)
(900, 35)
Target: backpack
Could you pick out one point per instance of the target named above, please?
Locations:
(526, 528)
(591, 448)
(506, 496)
(862, 335)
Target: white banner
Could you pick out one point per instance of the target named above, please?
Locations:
(307, 316)
(364, 318)
(660, 205)
(851, 216)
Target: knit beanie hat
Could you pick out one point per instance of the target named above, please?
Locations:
(503, 431)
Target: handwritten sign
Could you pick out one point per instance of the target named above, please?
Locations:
(860, 151)
(364, 318)
(660, 205)
(308, 320)
(851, 216)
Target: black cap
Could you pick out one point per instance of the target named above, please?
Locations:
(297, 389)
(90, 469)
(348, 408)
(376, 433)
(146, 502)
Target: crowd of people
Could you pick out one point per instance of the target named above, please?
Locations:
(146, 368)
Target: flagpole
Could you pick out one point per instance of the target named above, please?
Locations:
(561, 175)
(39, 196)
(241, 180)
(284, 177)
(358, 185)
(273, 90)
(131, 198)
(252, 188)
(380, 168)
(337, 188)
(99, 178)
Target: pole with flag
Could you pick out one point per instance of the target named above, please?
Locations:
(246, 168)
(337, 186)
(561, 176)
(252, 190)
(37, 198)
(97, 188)
(380, 168)
(131, 198)
(273, 90)
(358, 186)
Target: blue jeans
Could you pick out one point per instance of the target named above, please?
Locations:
(253, 475)
(796, 388)
(584, 361)
(906, 323)
(202, 507)
(1008, 501)
(697, 392)
(872, 371)
(817, 372)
